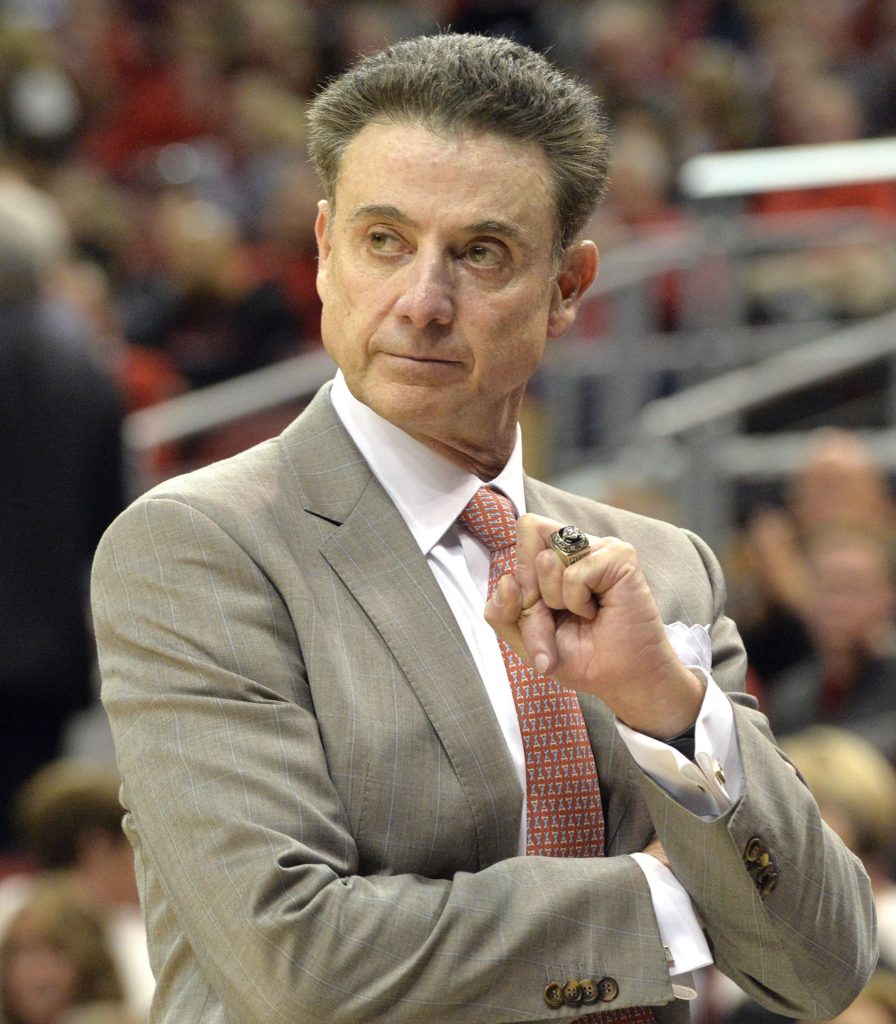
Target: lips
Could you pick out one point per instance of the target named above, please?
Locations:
(415, 357)
(420, 365)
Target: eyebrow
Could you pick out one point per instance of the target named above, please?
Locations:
(381, 210)
(386, 211)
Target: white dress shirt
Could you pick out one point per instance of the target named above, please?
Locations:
(430, 493)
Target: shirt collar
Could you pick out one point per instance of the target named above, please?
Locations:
(429, 491)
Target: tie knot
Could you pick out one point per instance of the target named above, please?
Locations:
(490, 517)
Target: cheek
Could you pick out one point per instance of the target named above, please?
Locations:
(47, 977)
(342, 332)
(348, 300)
(514, 349)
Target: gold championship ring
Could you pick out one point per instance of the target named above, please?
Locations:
(570, 544)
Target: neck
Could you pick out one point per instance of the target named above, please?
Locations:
(482, 445)
(485, 462)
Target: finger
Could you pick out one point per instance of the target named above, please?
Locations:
(533, 536)
(563, 587)
(583, 581)
(508, 617)
(540, 568)
(609, 561)
(549, 573)
(537, 566)
(577, 595)
(504, 607)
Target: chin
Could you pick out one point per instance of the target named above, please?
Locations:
(409, 406)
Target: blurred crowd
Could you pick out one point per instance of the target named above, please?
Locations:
(168, 137)
(156, 213)
(813, 588)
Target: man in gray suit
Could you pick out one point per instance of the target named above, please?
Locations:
(328, 776)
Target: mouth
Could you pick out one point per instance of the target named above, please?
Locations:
(417, 368)
(413, 357)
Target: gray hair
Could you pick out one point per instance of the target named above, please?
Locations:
(455, 82)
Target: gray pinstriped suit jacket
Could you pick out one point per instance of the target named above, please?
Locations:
(323, 807)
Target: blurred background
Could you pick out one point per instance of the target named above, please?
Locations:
(733, 370)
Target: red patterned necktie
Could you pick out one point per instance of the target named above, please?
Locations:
(563, 810)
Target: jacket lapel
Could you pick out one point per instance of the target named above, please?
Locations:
(376, 557)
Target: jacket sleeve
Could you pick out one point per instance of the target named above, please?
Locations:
(786, 907)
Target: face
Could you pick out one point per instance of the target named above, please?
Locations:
(41, 979)
(438, 285)
(851, 602)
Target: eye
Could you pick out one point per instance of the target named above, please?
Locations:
(383, 242)
(482, 255)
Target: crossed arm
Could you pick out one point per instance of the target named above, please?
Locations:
(260, 896)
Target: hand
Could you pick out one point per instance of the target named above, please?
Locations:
(773, 546)
(655, 849)
(594, 626)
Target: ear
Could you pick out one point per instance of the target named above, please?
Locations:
(321, 233)
(577, 271)
(321, 227)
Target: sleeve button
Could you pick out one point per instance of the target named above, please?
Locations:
(607, 990)
(589, 990)
(767, 879)
(572, 993)
(553, 994)
(754, 850)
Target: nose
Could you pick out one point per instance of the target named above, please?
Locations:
(426, 291)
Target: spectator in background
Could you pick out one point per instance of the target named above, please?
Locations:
(854, 277)
(290, 39)
(206, 306)
(68, 822)
(287, 248)
(718, 108)
(639, 197)
(54, 957)
(62, 483)
(155, 85)
(144, 375)
(839, 485)
(849, 677)
(625, 56)
(639, 206)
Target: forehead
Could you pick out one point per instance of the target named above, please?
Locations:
(444, 177)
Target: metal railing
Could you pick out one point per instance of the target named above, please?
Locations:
(759, 171)
(186, 415)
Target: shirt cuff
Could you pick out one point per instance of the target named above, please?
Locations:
(680, 930)
(710, 783)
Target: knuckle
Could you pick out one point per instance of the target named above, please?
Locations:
(547, 562)
(527, 522)
(624, 548)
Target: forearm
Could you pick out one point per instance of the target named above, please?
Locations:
(803, 946)
(304, 944)
(259, 868)
(798, 935)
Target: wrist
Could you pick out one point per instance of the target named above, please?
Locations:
(670, 713)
